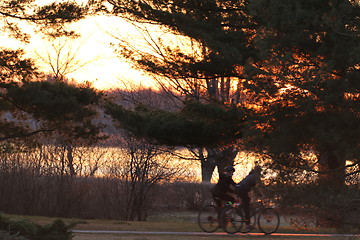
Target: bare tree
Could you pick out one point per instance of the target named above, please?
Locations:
(142, 168)
(63, 56)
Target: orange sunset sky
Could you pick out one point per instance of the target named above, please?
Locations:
(96, 60)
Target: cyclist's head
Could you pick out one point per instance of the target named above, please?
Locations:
(229, 170)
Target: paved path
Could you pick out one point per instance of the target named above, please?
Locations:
(217, 233)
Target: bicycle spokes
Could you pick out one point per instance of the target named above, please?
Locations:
(268, 220)
(208, 218)
(231, 220)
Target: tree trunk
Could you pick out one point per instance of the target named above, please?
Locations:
(219, 158)
(70, 158)
(207, 165)
(331, 170)
(332, 180)
(226, 157)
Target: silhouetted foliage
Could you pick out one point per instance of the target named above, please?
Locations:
(57, 230)
(29, 105)
(196, 125)
(296, 63)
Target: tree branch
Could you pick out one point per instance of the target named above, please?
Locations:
(22, 18)
(23, 135)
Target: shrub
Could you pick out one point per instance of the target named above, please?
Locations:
(329, 208)
(6, 236)
(24, 229)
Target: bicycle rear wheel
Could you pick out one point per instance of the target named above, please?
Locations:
(231, 220)
(268, 220)
(208, 218)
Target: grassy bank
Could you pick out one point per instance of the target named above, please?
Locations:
(168, 222)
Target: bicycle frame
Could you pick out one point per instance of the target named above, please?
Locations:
(261, 214)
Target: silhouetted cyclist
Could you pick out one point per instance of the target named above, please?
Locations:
(225, 185)
(243, 188)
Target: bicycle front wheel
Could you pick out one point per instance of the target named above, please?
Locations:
(231, 220)
(208, 218)
(268, 220)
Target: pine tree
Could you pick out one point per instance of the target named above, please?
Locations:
(295, 64)
(313, 48)
(218, 36)
(25, 98)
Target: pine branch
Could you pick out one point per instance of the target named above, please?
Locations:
(23, 135)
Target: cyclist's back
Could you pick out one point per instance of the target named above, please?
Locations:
(243, 188)
(250, 181)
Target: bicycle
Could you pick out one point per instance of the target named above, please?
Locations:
(209, 217)
(263, 215)
(231, 219)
